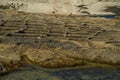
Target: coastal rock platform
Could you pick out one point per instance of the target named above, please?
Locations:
(55, 41)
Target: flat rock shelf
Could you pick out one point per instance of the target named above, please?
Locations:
(58, 41)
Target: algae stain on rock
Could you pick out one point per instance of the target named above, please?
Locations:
(38, 73)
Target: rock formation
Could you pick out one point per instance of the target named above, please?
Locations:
(57, 40)
(66, 7)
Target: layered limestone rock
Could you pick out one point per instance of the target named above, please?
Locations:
(57, 41)
(66, 7)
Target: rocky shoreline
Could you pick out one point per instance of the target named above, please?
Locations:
(55, 41)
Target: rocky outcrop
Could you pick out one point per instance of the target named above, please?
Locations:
(66, 7)
(95, 52)
(57, 40)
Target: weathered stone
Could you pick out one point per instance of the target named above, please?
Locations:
(47, 58)
(59, 41)
(66, 7)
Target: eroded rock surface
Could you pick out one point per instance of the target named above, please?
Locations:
(57, 41)
(65, 7)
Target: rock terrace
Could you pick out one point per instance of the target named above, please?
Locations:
(57, 40)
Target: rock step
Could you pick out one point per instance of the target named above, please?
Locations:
(89, 28)
(15, 20)
(81, 34)
(36, 32)
(54, 34)
(84, 27)
(72, 24)
(56, 26)
(76, 39)
(109, 33)
(112, 35)
(91, 31)
(35, 21)
(54, 23)
(72, 28)
(57, 31)
(51, 18)
(11, 28)
(35, 29)
(16, 25)
(76, 36)
(46, 27)
(75, 30)
(54, 29)
(37, 24)
(13, 23)
(28, 35)
(114, 42)
(67, 21)
(5, 32)
(41, 33)
(64, 17)
(101, 38)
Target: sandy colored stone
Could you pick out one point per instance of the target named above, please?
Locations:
(66, 7)
(59, 41)
(47, 58)
(103, 53)
(10, 57)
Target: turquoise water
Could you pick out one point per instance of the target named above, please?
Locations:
(38, 73)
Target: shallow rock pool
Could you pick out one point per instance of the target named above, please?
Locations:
(38, 73)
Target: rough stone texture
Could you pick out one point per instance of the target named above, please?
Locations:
(66, 7)
(54, 59)
(10, 57)
(57, 41)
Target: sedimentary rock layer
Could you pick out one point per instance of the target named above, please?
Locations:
(57, 41)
